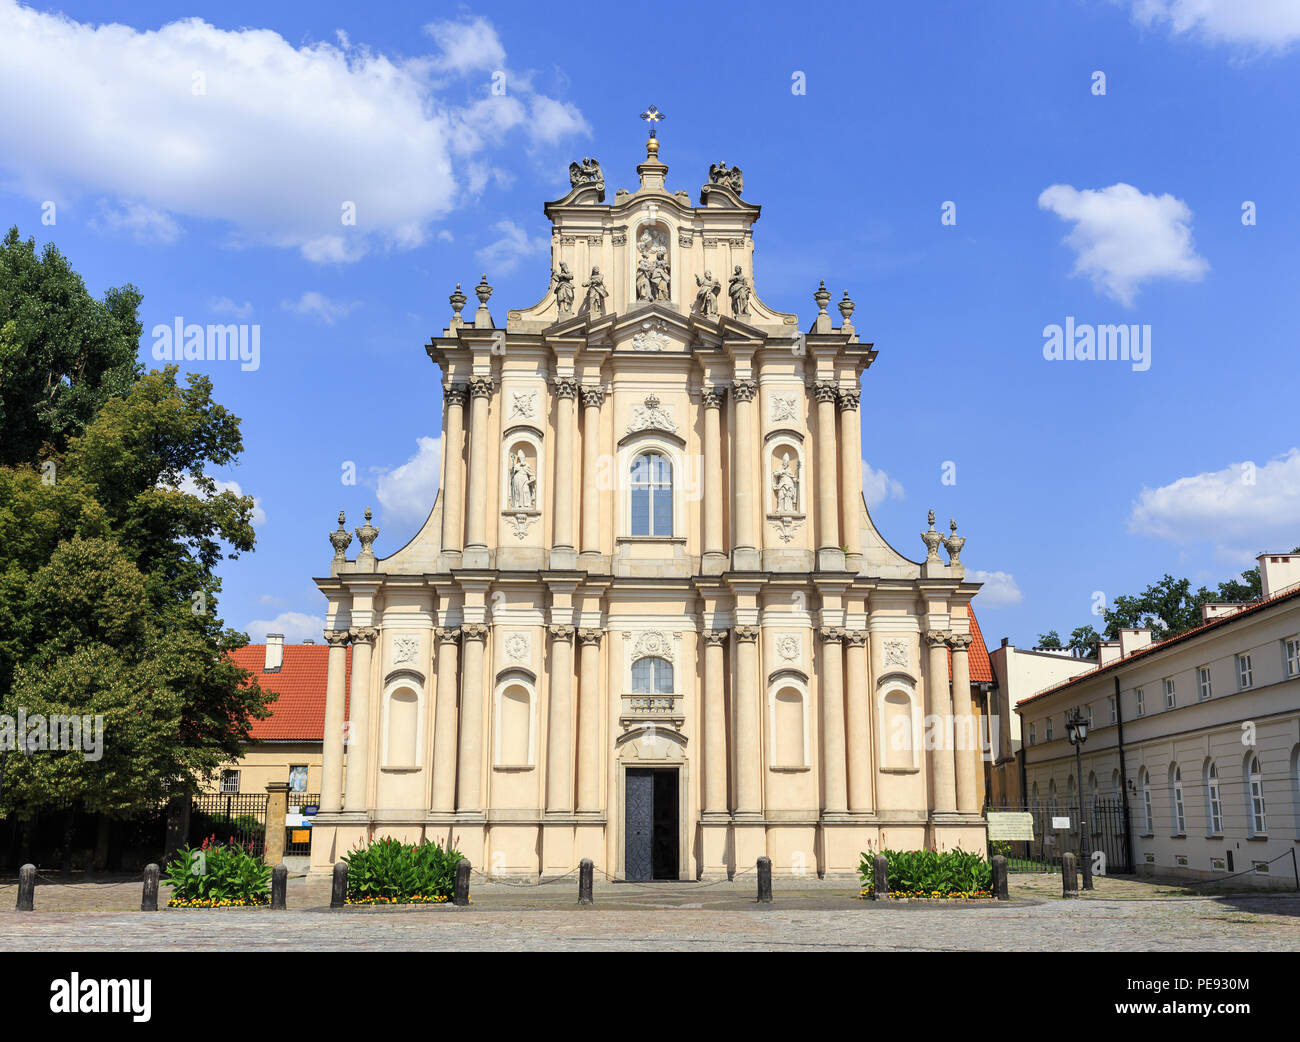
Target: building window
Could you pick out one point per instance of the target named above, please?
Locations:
(1179, 816)
(229, 782)
(651, 482)
(1203, 681)
(1051, 797)
(1213, 801)
(1049, 728)
(1245, 675)
(1087, 712)
(1148, 819)
(1141, 710)
(1292, 653)
(1170, 699)
(1110, 702)
(298, 778)
(652, 676)
(1033, 734)
(1257, 820)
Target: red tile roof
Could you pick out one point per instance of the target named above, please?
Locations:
(981, 669)
(298, 715)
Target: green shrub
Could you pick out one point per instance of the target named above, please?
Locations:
(217, 875)
(930, 873)
(391, 872)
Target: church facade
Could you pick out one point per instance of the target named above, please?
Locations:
(649, 620)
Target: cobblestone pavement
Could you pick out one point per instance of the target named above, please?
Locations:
(1121, 915)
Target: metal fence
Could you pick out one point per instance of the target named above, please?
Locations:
(297, 841)
(1106, 844)
(231, 818)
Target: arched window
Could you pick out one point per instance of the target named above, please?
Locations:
(1116, 786)
(1178, 815)
(403, 728)
(1094, 803)
(1034, 794)
(651, 482)
(1256, 820)
(1148, 819)
(1213, 801)
(652, 676)
(1051, 797)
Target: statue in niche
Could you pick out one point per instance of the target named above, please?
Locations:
(659, 277)
(739, 290)
(643, 268)
(652, 273)
(523, 483)
(596, 293)
(563, 280)
(706, 297)
(785, 484)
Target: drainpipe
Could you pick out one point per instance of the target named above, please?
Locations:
(1123, 779)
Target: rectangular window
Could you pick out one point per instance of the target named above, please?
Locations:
(1245, 675)
(1111, 702)
(298, 778)
(1141, 710)
(1292, 649)
(1170, 699)
(1049, 728)
(230, 782)
(1033, 734)
(1087, 713)
(1203, 681)
(651, 499)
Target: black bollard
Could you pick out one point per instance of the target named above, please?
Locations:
(586, 872)
(1086, 872)
(1069, 875)
(881, 867)
(460, 896)
(279, 884)
(1000, 878)
(27, 888)
(765, 880)
(149, 897)
(339, 891)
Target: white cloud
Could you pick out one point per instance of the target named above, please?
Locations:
(226, 306)
(1123, 238)
(1265, 24)
(1244, 508)
(999, 588)
(242, 127)
(407, 492)
(143, 223)
(295, 626)
(190, 487)
(877, 486)
(504, 255)
(319, 306)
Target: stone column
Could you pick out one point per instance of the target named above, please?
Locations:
(832, 699)
(713, 491)
(858, 720)
(747, 737)
(566, 394)
(444, 726)
(589, 721)
(965, 728)
(331, 782)
(742, 476)
(715, 721)
(592, 399)
(363, 642)
(940, 708)
(469, 765)
(277, 806)
(828, 507)
(559, 733)
(453, 478)
(480, 390)
(851, 470)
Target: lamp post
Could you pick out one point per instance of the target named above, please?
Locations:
(1076, 728)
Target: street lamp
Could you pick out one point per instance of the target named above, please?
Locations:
(1076, 728)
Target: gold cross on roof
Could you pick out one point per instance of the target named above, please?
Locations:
(652, 116)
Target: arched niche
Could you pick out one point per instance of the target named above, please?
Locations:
(653, 271)
(899, 713)
(514, 720)
(402, 725)
(789, 731)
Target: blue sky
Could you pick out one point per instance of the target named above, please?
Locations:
(208, 163)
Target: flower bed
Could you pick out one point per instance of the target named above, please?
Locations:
(218, 875)
(930, 875)
(389, 872)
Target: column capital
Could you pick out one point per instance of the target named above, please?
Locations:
(826, 391)
(455, 394)
(474, 631)
(747, 634)
(565, 387)
(744, 390)
(593, 397)
(856, 638)
(560, 632)
(364, 635)
(713, 396)
(337, 638)
(482, 386)
(715, 638)
(831, 635)
(448, 634)
(849, 400)
(590, 636)
(935, 638)
(961, 641)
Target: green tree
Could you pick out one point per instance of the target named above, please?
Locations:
(1050, 639)
(63, 353)
(1083, 641)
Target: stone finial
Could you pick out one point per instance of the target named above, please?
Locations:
(483, 291)
(823, 297)
(457, 300)
(846, 307)
(932, 539)
(953, 543)
(367, 535)
(341, 539)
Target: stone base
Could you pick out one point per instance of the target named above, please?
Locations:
(956, 831)
(716, 856)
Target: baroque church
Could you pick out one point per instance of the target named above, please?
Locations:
(649, 620)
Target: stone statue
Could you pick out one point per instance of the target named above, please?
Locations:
(596, 293)
(643, 268)
(733, 179)
(586, 172)
(739, 290)
(563, 288)
(523, 483)
(659, 277)
(785, 483)
(706, 297)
